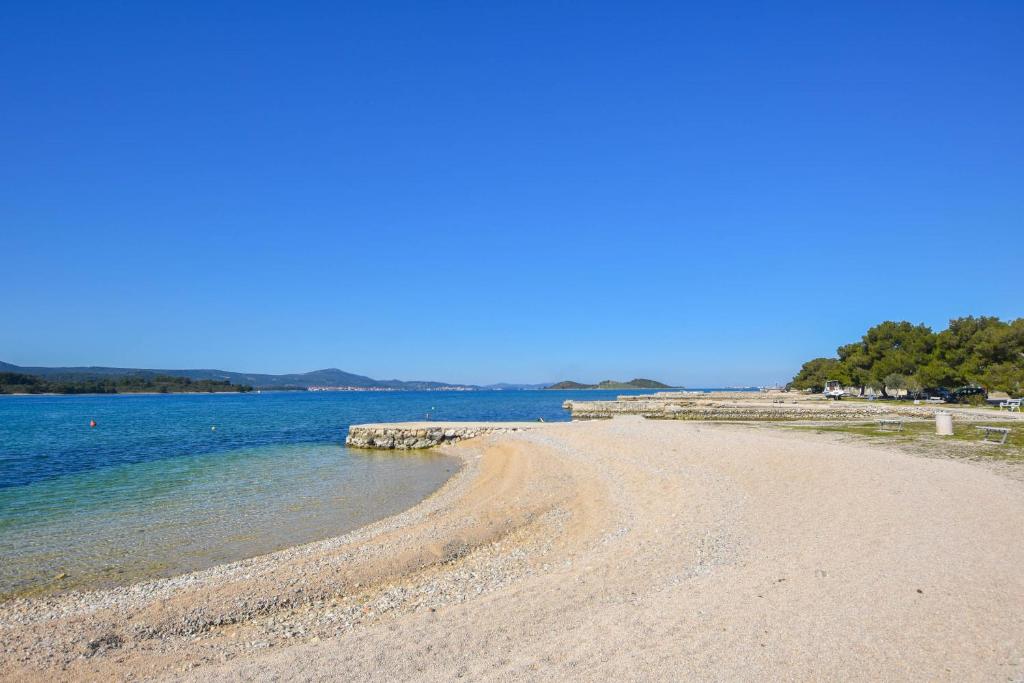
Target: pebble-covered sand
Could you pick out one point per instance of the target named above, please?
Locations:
(622, 549)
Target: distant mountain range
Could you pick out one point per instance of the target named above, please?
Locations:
(612, 384)
(330, 377)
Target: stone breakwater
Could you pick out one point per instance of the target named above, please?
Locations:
(762, 410)
(414, 435)
(772, 396)
(669, 396)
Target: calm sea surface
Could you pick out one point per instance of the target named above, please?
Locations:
(172, 483)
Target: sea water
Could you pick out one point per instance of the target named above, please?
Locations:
(165, 484)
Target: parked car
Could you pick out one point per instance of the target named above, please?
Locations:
(935, 392)
(962, 394)
(958, 395)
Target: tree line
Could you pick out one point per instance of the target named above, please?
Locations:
(983, 351)
(18, 383)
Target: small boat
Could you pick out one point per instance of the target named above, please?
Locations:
(834, 390)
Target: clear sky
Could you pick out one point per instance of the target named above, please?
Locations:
(701, 193)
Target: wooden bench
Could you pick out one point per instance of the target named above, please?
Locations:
(1004, 431)
(890, 425)
(935, 399)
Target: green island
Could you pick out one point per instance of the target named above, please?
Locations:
(638, 383)
(19, 383)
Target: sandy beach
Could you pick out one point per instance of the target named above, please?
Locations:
(620, 549)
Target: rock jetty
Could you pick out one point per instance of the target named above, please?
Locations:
(415, 435)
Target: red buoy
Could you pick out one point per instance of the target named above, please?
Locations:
(92, 423)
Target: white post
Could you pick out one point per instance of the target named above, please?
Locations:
(943, 423)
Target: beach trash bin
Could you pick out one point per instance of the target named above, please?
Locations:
(944, 423)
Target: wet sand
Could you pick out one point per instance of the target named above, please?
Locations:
(592, 551)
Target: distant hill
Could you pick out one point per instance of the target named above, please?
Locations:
(328, 377)
(612, 384)
(571, 385)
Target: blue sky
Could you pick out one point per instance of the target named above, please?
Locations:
(702, 193)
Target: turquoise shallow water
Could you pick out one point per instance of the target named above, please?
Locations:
(154, 491)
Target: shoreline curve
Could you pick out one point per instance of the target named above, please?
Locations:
(597, 550)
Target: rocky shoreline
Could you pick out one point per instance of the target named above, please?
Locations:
(764, 407)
